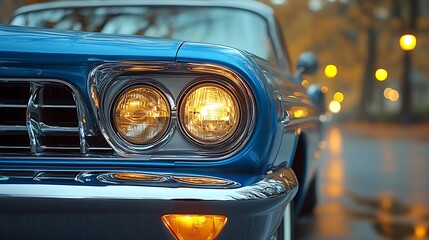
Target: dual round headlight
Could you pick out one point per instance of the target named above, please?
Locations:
(208, 114)
(141, 114)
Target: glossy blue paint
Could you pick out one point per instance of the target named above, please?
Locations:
(77, 48)
(37, 53)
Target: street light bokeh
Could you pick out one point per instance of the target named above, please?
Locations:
(305, 83)
(331, 71)
(381, 74)
(334, 106)
(408, 42)
(339, 97)
(324, 89)
(393, 95)
(386, 92)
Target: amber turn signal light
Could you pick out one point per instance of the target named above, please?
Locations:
(194, 226)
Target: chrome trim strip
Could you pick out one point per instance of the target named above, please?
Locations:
(44, 129)
(100, 148)
(280, 183)
(15, 147)
(34, 123)
(300, 121)
(13, 105)
(59, 148)
(47, 129)
(41, 176)
(111, 179)
(288, 119)
(13, 128)
(216, 182)
(58, 106)
(66, 156)
(81, 124)
(41, 106)
(33, 118)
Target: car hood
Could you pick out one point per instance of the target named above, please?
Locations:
(47, 45)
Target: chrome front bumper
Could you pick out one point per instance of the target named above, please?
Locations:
(122, 211)
(280, 183)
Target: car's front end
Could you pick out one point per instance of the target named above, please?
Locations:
(118, 137)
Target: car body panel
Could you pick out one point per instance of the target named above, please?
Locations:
(79, 47)
(252, 159)
(58, 188)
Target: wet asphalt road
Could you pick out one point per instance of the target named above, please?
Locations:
(373, 183)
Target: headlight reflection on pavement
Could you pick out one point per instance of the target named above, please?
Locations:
(372, 184)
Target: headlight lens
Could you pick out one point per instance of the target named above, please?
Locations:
(209, 113)
(141, 114)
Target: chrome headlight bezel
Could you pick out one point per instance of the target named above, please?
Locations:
(107, 80)
(106, 98)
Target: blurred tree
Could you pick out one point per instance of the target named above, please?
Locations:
(343, 32)
(9, 6)
(406, 11)
(359, 36)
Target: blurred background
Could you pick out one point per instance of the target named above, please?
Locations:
(373, 181)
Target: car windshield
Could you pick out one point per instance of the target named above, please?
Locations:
(217, 25)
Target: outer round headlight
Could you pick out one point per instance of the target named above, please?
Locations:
(209, 113)
(141, 114)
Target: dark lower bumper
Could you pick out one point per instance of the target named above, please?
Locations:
(47, 211)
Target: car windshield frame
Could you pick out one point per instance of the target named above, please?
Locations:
(277, 48)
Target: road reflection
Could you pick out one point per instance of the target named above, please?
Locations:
(370, 187)
(333, 175)
(334, 172)
(391, 218)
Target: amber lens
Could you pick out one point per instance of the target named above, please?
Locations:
(194, 226)
(141, 114)
(209, 113)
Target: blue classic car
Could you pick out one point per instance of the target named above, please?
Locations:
(108, 135)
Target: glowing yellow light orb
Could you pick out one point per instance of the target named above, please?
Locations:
(324, 89)
(407, 42)
(381, 74)
(339, 97)
(393, 95)
(331, 71)
(421, 231)
(386, 92)
(334, 106)
(305, 83)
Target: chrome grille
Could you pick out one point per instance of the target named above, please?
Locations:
(44, 117)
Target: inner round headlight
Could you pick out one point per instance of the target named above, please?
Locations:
(209, 113)
(141, 114)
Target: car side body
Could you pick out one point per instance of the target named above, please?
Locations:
(66, 173)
